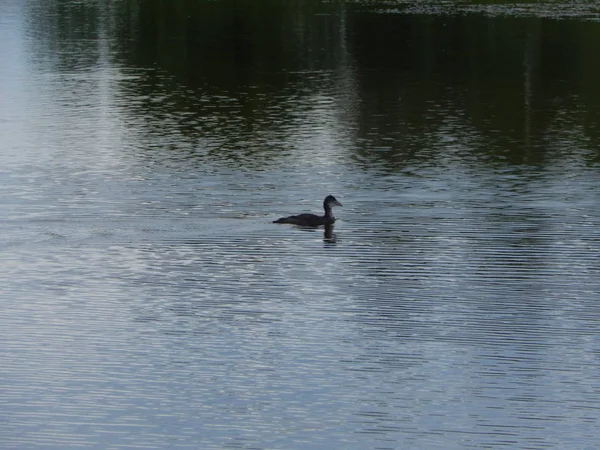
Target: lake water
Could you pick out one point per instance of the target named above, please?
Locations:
(147, 301)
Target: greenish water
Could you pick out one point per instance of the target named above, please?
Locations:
(146, 299)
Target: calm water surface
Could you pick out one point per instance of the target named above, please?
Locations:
(147, 301)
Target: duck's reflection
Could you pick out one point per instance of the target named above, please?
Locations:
(329, 236)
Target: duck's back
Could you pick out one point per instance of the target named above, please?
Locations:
(306, 220)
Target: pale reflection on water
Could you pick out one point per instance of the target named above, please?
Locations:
(466, 325)
(148, 301)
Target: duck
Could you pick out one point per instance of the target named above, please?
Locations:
(313, 220)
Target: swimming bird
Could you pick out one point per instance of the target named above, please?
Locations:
(312, 220)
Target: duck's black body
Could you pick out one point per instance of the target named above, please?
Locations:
(307, 220)
(312, 220)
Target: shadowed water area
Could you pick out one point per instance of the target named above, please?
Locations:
(148, 301)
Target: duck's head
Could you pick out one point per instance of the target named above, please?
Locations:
(330, 201)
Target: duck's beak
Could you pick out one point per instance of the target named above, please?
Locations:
(336, 203)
